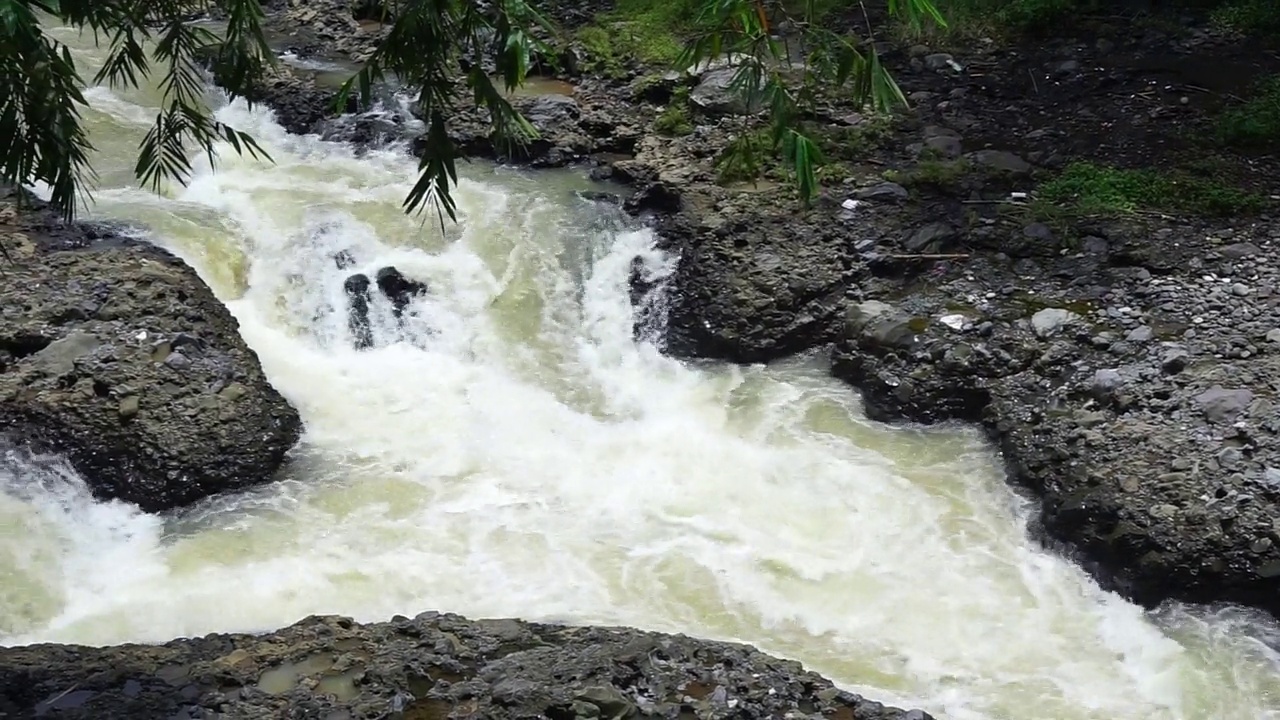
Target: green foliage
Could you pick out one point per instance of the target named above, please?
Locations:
(601, 52)
(854, 142)
(996, 18)
(766, 77)
(40, 95)
(1099, 189)
(436, 48)
(429, 40)
(746, 158)
(649, 32)
(1256, 122)
(674, 119)
(1248, 16)
(931, 173)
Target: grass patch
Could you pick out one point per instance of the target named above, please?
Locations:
(674, 119)
(854, 142)
(968, 19)
(1248, 16)
(1256, 122)
(1101, 190)
(941, 174)
(650, 32)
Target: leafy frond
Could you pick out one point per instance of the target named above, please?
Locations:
(40, 109)
(742, 33)
(451, 54)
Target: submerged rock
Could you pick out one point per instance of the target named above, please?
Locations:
(357, 290)
(119, 357)
(393, 285)
(399, 289)
(433, 666)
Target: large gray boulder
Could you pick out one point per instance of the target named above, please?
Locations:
(752, 288)
(433, 666)
(115, 354)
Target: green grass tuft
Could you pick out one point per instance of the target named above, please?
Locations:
(1256, 122)
(1248, 16)
(1099, 189)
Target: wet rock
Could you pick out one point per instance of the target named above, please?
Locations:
(344, 259)
(358, 324)
(548, 113)
(879, 326)
(419, 668)
(399, 289)
(754, 291)
(130, 341)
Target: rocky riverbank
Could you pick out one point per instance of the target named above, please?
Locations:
(1124, 362)
(116, 355)
(430, 667)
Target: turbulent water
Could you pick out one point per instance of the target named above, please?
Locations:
(530, 459)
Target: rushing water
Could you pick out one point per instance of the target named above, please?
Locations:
(530, 459)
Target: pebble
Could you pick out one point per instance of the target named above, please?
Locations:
(128, 407)
(177, 361)
(1141, 333)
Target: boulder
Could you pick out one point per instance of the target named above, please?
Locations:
(116, 355)
(399, 289)
(755, 290)
(433, 666)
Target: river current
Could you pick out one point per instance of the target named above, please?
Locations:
(531, 459)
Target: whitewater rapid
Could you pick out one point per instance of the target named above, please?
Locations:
(517, 452)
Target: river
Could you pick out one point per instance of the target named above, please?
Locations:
(530, 459)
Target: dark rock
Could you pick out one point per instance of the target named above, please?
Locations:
(931, 238)
(755, 291)
(420, 668)
(1239, 251)
(358, 323)
(938, 61)
(656, 196)
(1000, 160)
(344, 259)
(399, 289)
(118, 380)
(948, 146)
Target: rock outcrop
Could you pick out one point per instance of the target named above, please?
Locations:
(114, 353)
(429, 668)
(1139, 404)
